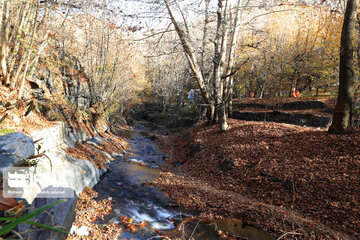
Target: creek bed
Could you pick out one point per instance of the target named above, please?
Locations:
(125, 184)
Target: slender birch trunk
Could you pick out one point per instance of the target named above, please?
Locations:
(4, 40)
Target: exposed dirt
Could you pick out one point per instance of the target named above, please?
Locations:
(299, 111)
(287, 179)
(321, 107)
(286, 103)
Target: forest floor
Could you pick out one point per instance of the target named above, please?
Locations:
(292, 181)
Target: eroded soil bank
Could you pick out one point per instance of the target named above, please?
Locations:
(294, 182)
(308, 112)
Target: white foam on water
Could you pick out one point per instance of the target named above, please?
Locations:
(139, 217)
(163, 213)
(114, 220)
(162, 225)
(135, 160)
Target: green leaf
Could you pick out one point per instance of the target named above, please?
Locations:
(11, 219)
(7, 228)
(30, 108)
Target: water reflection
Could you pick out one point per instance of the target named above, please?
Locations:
(218, 229)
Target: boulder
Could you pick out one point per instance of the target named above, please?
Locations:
(14, 147)
(17, 144)
(61, 215)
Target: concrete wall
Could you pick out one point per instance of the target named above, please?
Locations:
(64, 171)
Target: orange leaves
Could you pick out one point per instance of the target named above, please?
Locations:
(131, 228)
(7, 203)
(124, 219)
(142, 224)
(16, 211)
(11, 206)
(130, 225)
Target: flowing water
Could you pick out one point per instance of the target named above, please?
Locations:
(125, 184)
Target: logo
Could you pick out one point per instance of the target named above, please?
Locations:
(18, 180)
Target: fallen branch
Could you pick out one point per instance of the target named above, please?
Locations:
(288, 233)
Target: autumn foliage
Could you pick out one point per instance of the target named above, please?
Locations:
(299, 48)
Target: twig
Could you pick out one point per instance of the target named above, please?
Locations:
(288, 233)
(194, 230)
(163, 54)
(162, 237)
(234, 71)
(38, 140)
(154, 34)
(36, 156)
(17, 234)
(162, 35)
(272, 12)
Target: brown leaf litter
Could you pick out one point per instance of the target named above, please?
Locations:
(280, 177)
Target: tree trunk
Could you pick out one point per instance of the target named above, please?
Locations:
(19, 26)
(222, 117)
(190, 55)
(219, 56)
(28, 52)
(230, 98)
(211, 112)
(206, 21)
(4, 40)
(343, 106)
(231, 57)
(358, 44)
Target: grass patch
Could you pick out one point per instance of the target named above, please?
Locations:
(5, 131)
(320, 94)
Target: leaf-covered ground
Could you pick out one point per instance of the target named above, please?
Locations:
(99, 153)
(87, 211)
(292, 180)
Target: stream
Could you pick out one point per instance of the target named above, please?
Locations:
(125, 184)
